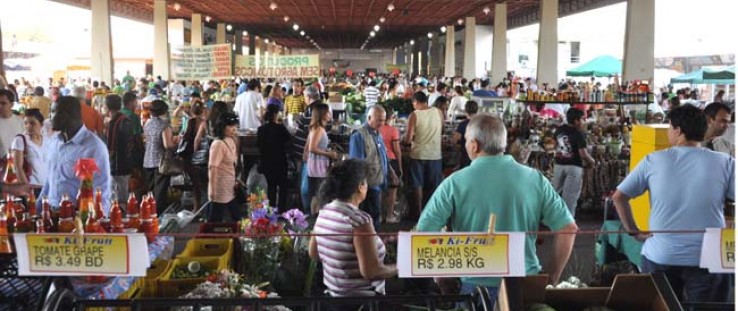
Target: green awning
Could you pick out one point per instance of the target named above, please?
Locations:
(706, 76)
(602, 66)
(727, 73)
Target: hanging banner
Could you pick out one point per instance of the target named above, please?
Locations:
(207, 62)
(80, 255)
(395, 67)
(278, 66)
(457, 254)
(718, 250)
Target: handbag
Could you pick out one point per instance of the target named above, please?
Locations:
(170, 165)
(202, 155)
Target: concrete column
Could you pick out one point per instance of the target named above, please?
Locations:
(415, 60)
(252, 44)
(424, 56)
(638, 63)
(394, 56)
(470, 47)
(499, 43)
(435, 55)
(238, 40)
(220, 33)
(450, 57)
(548, 44)
(161, 40)
(101, 58)
(196, 31)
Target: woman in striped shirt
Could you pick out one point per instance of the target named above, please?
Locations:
(353, 265)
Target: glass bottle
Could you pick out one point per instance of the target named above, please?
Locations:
(10, 176)
(25, 224)
(32, 205)
(5, 247)
(40, 226)
(11, 219)
(93, 225)
(98, 204)
(46, 220)
(116, 218)
(132, 207)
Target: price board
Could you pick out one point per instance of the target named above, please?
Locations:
(718, 250)
(78, 255)
(460, 254)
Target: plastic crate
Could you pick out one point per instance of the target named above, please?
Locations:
(173, 288)
(20, 293)
(219, 228)
(222, 248)
(149, 285)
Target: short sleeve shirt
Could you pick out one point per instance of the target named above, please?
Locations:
(34, 156)
(390, 134)
(688, 187)
(568, 142)
(154, 142)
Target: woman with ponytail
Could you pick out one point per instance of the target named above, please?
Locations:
(353, 260)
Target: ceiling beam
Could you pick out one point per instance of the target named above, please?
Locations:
(302, 14)
(351, 14)
(431, 2)
(335, 17)
(369, 11)
(315, 7)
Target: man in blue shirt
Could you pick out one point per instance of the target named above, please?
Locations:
(688, 187)
(73, 142)
(484, 91)
(366, 143)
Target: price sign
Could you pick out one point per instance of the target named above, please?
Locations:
(90, 254)
(460, 254)
(718, 250)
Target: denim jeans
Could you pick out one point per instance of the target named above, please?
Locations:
(692, 284)
(304, 189)
(373, 206)
(468, 288)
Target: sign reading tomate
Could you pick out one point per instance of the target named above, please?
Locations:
(460, 254)
(92, 254)
(278, 66)
(207, 62)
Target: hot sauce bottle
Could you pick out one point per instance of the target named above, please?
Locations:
(32, 205)
(48, 223)
(116, 218)
(66, 215)
(11, 219)
(93, 225)
(5, 247)
(10, 175)
(98, 204)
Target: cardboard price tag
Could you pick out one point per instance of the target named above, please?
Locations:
(460, 254)
(718, 250)
(78, 255)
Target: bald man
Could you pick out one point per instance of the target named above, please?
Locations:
(367, 144)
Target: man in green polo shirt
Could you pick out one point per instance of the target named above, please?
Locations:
(519, 196)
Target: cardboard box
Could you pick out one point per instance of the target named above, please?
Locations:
(629, 292)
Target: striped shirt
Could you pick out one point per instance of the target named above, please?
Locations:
(294, 104)
(341, 273)
(371, 94)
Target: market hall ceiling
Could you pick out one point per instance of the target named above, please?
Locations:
(342, 23)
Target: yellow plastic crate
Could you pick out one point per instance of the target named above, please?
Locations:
(222, 248)
(149, 285)
(173, 288)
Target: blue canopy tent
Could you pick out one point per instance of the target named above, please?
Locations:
(727, 73)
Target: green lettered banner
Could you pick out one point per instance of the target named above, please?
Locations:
(208, 62)
(278, 66)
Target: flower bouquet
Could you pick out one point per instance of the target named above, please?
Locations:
(85, 170)
(261, 245)
(229, 284)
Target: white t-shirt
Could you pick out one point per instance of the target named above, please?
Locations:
(35, 157)
(247, 108)
(8, 129)
(457, 106)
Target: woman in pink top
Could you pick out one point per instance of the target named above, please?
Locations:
(391, 137)
(222, 169)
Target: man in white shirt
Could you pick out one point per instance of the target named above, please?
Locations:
(440, 91)
(371, 94)
(10, 124)
(249, 106)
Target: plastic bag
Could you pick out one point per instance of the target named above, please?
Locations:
(255, 182)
